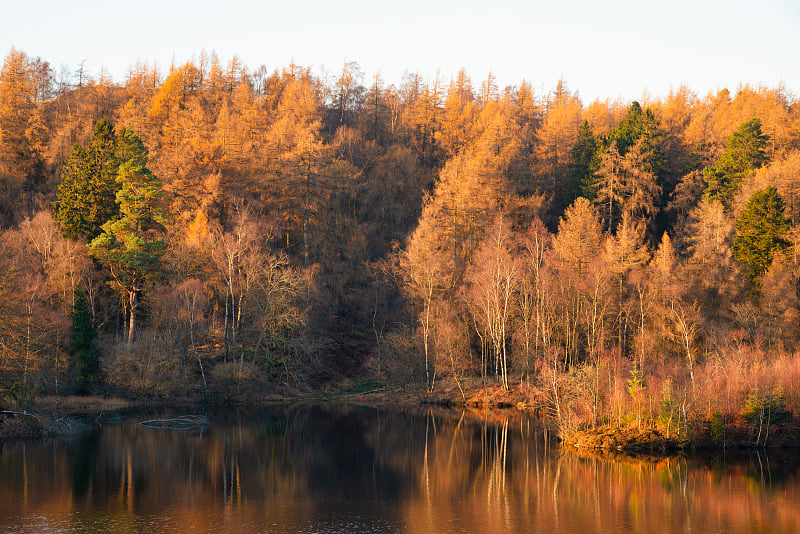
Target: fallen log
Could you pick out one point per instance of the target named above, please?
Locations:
(184, 422)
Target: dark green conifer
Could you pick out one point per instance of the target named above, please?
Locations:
(761, 231)
(583, 165)
(83, 342)
(131, 245)
(87, 193)
(745, 151)
(639, 124)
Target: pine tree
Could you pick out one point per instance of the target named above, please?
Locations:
(761, 230)
(745, 151)
(83, 341)
(583, 164)
(86, 195)
(131, 246)
(640, 126)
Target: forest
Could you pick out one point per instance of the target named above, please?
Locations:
(217, 231)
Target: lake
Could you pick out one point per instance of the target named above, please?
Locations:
(340, 469)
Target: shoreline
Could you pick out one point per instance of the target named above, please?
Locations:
(66, 416)
(715, 433)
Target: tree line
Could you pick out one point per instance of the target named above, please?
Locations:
(282, 229)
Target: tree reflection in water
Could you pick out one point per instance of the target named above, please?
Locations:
(348, 469)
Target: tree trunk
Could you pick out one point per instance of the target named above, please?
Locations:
(307, 213)
(425, 332)
(225, 325)
(132, 319)
(194, 350)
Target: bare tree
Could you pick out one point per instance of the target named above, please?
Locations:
(493, 280)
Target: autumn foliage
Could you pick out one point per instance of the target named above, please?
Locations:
(277, 230)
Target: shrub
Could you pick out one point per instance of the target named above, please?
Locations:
(237, 382)
(717, 428)
(151, 368)
(396, 360)
(83, 343)
(766, 407)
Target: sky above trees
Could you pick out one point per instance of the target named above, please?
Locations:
(616, 49)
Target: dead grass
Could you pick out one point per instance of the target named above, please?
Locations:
(32, 426)
(152, 368)
(726, 381)
(81, 405)
(621, 439)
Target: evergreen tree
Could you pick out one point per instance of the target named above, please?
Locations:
(639, 126)
(629, 164)
(583, 164)
(131, 246)
(761, 230)
(745, 151)
(83, 341)
(128, 147)
(86, 195)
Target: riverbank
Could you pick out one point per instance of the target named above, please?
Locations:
(714, 432)
(24, 425)
(704, 434)
(470, 393)
(487, 400)
(56, 416)
(622, 439)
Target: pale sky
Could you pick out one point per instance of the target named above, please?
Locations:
(603, 49)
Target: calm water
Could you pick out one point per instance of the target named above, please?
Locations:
(355, 470)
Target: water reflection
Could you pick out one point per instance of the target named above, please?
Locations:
(326, 469)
